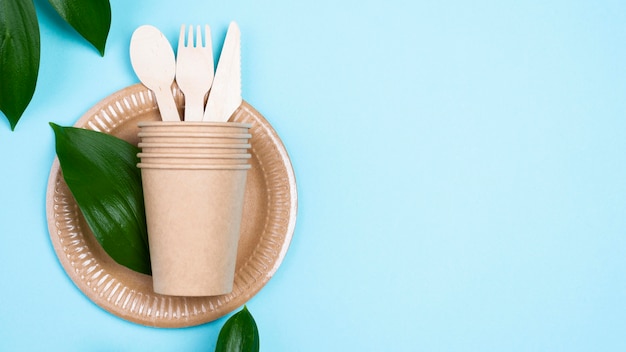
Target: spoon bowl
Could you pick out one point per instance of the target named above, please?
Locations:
(154, 63)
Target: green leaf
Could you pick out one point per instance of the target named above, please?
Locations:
(101, 172)
(239, 334)
(19, 57)
(90, 18)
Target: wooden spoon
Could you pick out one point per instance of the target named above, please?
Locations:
(152, 58)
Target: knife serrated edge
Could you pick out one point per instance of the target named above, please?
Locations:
(225, 94)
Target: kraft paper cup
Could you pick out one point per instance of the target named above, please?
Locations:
(194, 159)
(193, 215)
(182, 148)
(182, 126)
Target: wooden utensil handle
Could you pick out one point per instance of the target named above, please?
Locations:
(167, 105)
(194, 107)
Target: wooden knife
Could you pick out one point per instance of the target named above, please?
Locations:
(225, 94)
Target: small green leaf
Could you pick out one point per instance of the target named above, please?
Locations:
(239, 334)
(101, 171)
(90, 18)
(19, 57)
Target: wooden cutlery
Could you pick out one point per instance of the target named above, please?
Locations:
(153, 60)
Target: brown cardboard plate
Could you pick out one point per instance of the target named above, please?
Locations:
(266, 231)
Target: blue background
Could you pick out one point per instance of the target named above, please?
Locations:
(461, 170)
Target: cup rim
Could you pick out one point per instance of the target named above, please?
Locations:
(194, 135)
(194, 166)
(194, 156)
(198, 145)
(194, 124)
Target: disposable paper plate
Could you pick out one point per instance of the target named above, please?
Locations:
(268, 223)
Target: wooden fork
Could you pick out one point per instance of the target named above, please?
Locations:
(194, 70)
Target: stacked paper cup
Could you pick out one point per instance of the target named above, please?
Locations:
(194, 177)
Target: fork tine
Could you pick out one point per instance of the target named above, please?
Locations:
(181, 37)
(190, 37)
(207, 36)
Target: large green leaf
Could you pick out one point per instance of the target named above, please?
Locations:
(90, 18)
(101, 171)
(19, 57)
(239, 334)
